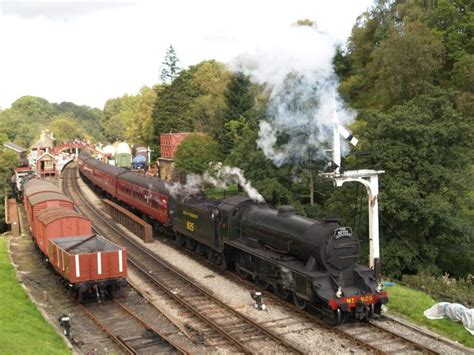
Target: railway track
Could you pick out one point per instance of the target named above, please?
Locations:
(392, 332)
(440, 344)
(219, 323)
(377, 336)
(128, 330)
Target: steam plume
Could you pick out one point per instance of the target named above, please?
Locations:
(221, 177)
(296, 67)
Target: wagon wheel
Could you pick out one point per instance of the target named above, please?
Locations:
(282, 292)
(299, 302)
(240, 267)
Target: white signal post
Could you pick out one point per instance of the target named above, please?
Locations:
(368, 178)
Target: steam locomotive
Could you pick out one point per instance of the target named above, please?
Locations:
(312, 262)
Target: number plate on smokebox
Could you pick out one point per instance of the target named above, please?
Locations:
(342, 232)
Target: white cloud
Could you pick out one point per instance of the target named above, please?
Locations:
(87, 54)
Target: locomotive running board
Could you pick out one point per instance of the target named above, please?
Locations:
(272, 257)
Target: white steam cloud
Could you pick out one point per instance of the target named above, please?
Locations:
(295, 64)
(221, 177)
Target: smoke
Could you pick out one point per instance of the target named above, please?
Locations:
(220, 177)
(295, 64)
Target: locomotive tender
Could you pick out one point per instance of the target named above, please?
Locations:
(312, 262)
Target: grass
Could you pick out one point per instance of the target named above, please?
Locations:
(411, 304)
(23, 330)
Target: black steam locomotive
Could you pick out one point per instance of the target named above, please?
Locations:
(310, 261)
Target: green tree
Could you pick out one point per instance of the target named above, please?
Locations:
(426, 150)
(8, 161)
(143, 115)
(240, 100)
(66, 128)
(86, 117)
(405, 64)
(195, 153)
(271, 182)
(463, 73)
(194, 101)
(119, 121)
(31, 105)
(169, 67)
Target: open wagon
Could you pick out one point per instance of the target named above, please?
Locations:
(91, 264)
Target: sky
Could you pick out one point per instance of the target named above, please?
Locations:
(89, 51)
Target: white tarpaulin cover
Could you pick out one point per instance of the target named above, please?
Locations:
(454, 311)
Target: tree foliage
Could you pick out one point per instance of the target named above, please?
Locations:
(405, 64)
(240, 100)
(65, 128)
(193, 102)
(424, 148)
(169, 67)
(23, 121)
(195, 153)
(408, 69)
(128, 118)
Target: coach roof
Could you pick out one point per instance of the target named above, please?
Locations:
(147, 182)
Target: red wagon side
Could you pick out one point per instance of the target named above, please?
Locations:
(89, 262)
(43, 200)
(59, 222)
(34, 187)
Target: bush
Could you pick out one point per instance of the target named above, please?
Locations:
(444, 288)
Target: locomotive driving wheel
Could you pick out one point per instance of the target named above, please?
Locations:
(190, 244)
(299, 302)
(179, 240)
(264, 285)
(282, 292)
(241, 266)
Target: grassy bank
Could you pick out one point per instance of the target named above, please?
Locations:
(22, 327)
(411, 304)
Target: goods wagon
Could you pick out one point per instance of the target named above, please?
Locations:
(42, 200)
(59, 222)
(89, 263)
(35, 186)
